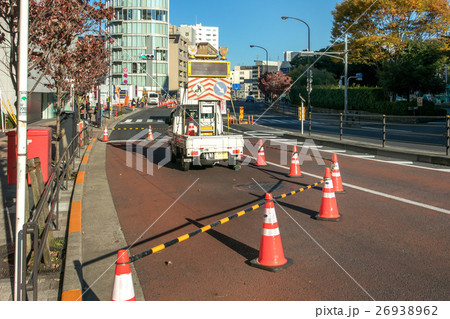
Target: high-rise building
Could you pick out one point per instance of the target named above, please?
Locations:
(205, 34)
(140, 27)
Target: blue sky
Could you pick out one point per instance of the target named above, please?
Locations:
(258, 22)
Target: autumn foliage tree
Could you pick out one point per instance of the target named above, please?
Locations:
(379, 30)
(65, 49)
(276, 83)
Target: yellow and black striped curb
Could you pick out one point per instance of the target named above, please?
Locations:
(72, 289)
(212, 225)
(137, 128)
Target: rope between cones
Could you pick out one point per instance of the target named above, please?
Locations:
(210, 226)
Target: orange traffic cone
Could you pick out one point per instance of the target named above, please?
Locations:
(123, 289)
(191, 127)
(328, 207)
(105, 135)
(336, 176)
(150, 133)
(295, 164)
(261, 160)
(271, 255)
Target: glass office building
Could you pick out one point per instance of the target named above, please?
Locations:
(140, 27)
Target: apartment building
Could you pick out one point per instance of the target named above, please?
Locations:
(205, 34)
(178, 59)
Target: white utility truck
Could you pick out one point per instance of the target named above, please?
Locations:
(196, 130)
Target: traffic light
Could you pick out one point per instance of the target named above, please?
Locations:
(147, 56)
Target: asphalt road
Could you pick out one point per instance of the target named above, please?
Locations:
(430, 133)
(391, 244)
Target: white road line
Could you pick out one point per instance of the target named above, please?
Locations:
(362, 156)
(334, 151)
(407, 163)
(138, 120)
(128, 121)
(149, 120)
(400, 199)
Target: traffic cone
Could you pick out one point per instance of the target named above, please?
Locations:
(271, 255)
(150, 133)
(191, 127)
(336, 176)
(105, 135)
(123, 289)
(261, 160)
(328, 207)
(295, 164)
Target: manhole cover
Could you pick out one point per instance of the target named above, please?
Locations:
(261, 187)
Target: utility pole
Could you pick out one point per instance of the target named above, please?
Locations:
(22, 110)
(346, 77)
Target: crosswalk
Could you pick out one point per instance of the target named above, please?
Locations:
(140, 121)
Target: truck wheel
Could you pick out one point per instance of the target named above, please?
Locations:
(173, 157)
(184, 165)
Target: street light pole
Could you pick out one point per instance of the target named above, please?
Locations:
(267, 64)
(309, 86)
(267, 56)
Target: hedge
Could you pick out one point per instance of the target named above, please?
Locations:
(371, 100)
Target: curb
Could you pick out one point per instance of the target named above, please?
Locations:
(72, 289)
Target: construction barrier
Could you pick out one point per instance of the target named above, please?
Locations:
(211, 226)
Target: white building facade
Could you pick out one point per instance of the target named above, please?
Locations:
(205, 34)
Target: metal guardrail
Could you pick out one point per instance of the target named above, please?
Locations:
(49, 199)
(434, 130)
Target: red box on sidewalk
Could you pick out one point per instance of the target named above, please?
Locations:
(39, 144)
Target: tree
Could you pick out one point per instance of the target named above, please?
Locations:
(415, 69)
(54, 25)
(377, 31)
(275, 83)
(58, 52)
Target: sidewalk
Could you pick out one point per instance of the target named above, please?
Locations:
(50, 285)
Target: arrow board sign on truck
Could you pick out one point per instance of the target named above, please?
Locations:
(209, 89)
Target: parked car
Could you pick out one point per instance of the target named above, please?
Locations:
(250, 99)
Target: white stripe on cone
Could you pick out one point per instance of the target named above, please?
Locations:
(123, 289)
(271, 232)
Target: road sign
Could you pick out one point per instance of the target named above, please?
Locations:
(220, 89)
(125, 70)
(125, 81)
(214, 89)
(301, 113)
(419, 101)
(237, 87)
